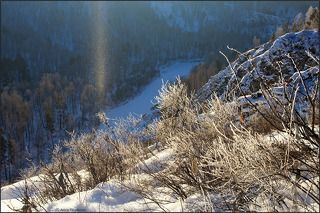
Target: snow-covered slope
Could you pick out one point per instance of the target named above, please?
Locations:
(262, 17)
(108, 196)
(116, 196)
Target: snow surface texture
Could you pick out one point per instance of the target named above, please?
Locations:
(263, 64)
(142, 103)
(107, 196)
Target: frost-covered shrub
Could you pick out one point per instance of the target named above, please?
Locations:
(176, 112)
(103, 156)
(264, 121)
(215, 155)
(83, 162)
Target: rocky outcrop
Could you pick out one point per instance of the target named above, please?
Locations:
(265, 65)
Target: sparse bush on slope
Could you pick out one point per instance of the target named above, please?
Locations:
(82, 163)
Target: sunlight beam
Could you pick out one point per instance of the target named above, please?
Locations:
(99, 47)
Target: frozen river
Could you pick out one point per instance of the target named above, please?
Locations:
(142, 103)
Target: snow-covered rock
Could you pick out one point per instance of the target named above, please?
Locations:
(266, 63)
